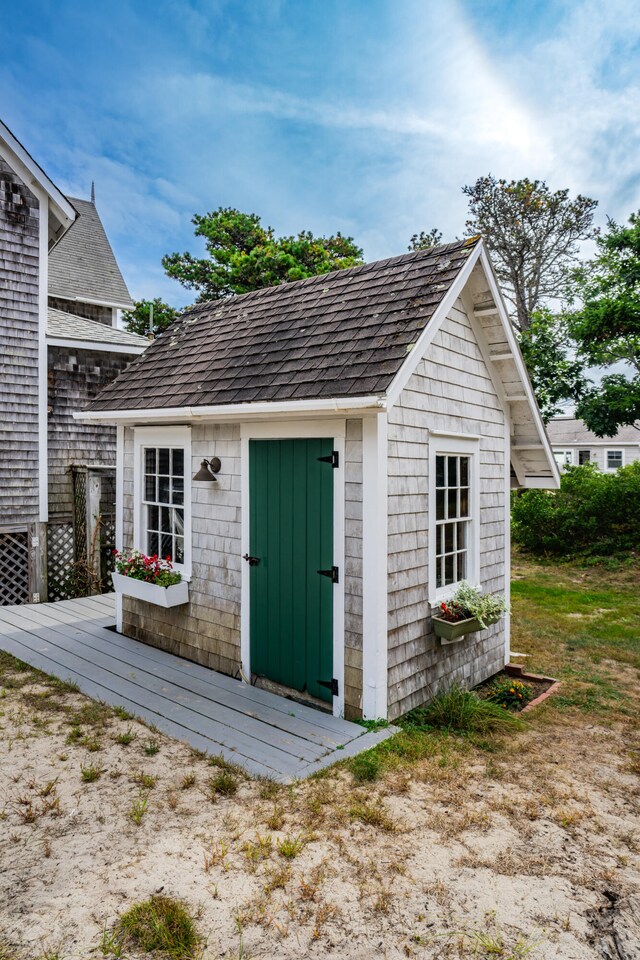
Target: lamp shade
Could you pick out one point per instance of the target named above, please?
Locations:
(204, 473)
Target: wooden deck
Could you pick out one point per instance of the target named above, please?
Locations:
(266, 734)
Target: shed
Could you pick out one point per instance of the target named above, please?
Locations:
(370, 424)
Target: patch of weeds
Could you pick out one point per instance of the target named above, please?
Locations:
(462, 711)
(90, 774)
(269, 789)
(374, 815)
(161, 925)
(372, 725)
(138, 809)
(258, 849)
(151, 748)
(125, 739)
(276, 879)
(7, 952)
(223, 784)
(122, 714)
(290, 847)
(365, 767)
(188, 781)
(275, 820)
(217, 857)
(75, 735)
(145, 780)
(219, 761)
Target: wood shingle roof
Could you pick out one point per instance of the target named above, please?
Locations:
(343, 334)
(82, 265)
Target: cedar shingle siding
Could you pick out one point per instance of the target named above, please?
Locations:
(344, 334)
(19, 217)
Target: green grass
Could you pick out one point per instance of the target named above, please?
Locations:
(160, 925)
(462, 711)
(581, 626)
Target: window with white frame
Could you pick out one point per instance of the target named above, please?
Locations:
(615, 459)
(584, 456)
(163, 502)
(564, 458)
(453, 477)
(162, 481)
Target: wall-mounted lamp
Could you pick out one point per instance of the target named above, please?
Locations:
(208, 469)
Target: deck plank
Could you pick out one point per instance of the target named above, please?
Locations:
(267, 734)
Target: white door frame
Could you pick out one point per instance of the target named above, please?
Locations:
(297, 430)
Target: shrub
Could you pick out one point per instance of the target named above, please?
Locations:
(510, 694)
(592, 514)
(461, 711)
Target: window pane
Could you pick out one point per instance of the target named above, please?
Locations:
(614, 459)
(462, 566)
(177, 490)
(167, 546)
(439, 550)
(152, 518)
(149, 488)
(462, 536)
(448, 537)
(440, 471)
(464, 502)
(178, 522)
(439, 577)
(439, 504)
(163, 489)
(464, 471)
(452, 503)
(165, 519)
(452, 471)
(179, 554)
(177, 463)
(448, 569)
(163, 460)
(152, 543)
(150, 460)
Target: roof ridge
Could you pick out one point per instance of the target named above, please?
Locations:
(425, 254)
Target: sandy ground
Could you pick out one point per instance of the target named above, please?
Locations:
(533, 847)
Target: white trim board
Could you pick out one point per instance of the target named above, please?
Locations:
(163, 437)
(296, 430)
(33, 175)
(43, 376)
(95, 346)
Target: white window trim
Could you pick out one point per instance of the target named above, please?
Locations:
(609, 450)
(296, 430)
(465, 447)
(162, 437)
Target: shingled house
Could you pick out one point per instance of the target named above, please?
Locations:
(575, 445)
(369, 425)
(60, 293)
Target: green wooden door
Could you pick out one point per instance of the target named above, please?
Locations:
(291, 535)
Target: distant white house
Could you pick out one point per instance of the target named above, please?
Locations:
(573, 445)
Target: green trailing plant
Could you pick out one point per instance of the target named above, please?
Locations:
(469, 602)
(509, 693)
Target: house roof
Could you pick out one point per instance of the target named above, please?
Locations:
(61, 211)
(343, 334)
(66, 326)
(82, 265)
(570, 430)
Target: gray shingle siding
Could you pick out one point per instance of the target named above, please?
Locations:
(90, 311)
(19, 273)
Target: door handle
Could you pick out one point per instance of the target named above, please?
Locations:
(252, 561)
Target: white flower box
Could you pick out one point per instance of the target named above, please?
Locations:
(172, 596)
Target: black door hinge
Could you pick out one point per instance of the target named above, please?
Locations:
(332, 572)
(333, 459)
(330, 685)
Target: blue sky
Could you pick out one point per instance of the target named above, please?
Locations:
(365, 116)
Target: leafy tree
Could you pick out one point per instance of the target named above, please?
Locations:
(533, 236)
(607, 327)
(242, 255)
(424, 240)
(556, 374)
(137, 320)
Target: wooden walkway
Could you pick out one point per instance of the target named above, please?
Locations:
(266, 734)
